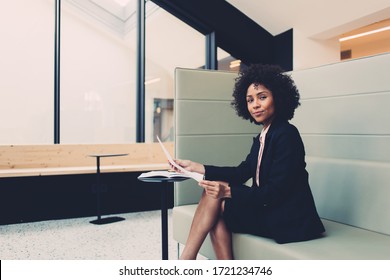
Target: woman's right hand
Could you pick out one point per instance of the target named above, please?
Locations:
(189, 166)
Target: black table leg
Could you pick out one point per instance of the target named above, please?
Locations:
(164, 207)
(164, 220)
(99, 220)
(98, 190)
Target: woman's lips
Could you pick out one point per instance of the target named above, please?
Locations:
(257, 114)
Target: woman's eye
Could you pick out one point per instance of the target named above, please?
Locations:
(249, 100)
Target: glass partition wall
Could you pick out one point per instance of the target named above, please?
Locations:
(170, 43)
(26, 71)
(98, 57)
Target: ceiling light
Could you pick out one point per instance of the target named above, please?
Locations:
(364, 34)
(235, 63)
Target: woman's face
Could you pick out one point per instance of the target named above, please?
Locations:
(260, 104)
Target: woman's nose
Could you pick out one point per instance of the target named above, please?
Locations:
(256, 104)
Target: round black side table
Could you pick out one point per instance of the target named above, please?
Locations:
(164, 184)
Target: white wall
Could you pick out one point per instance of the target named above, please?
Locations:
(308, 52)
(316, 24)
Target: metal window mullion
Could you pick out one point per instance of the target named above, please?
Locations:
(140, 83)
(57, 41)
(211, 51)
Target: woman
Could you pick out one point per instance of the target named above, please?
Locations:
(279, 205)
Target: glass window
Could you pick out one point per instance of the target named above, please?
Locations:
(226, 62)
(170, 43)
(98, 67)
(26, 69)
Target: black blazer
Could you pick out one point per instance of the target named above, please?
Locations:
(283, 202)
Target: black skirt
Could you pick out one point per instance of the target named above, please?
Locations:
(241, 218)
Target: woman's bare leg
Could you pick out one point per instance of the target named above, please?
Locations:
(206, 215)
(221, 238)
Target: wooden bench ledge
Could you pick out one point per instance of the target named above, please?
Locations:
(42, 160)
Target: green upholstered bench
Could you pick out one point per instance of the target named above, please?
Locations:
(344, 123)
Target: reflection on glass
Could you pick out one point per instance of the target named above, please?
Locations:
(227, 62)
(26, 70)
(98, 71)
(170, 43)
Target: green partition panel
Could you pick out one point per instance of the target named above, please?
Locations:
(207, 130)
(344, 121)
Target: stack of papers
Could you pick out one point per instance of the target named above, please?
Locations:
(183, 174)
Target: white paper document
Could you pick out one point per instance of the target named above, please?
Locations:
(194, 175)
(163, 175)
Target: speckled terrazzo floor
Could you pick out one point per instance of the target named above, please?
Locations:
(138, 237)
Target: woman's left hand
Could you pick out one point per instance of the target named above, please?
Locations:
(216, 189)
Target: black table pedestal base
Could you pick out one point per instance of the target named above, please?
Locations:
(99, 220)
(107, 220)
